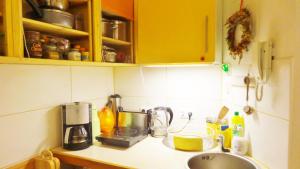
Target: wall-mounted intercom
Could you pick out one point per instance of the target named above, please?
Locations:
(264, 66)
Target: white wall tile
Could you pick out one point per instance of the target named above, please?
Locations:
(200, 107)
(276, 99)
(155, 82)
(269, 139)
(195, 82)
(30, 87)
(26, 134)
(139, 103)
(91, 83)
(140, 81)
(129, 81)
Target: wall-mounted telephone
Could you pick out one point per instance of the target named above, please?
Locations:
(264, 66)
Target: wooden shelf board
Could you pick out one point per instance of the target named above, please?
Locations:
(34, 61)
(115, 41)
(77, 2)
(118, 8)
(31, 24)
(183, 64)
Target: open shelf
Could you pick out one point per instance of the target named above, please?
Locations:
(34, 61)
(50, 28)
(112, 41)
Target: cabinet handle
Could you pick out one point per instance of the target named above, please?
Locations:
(206, 35)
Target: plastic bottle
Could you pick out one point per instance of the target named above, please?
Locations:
(226, 132)
(238, 125)
(107, 120)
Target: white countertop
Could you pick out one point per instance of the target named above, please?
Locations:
(150, 153)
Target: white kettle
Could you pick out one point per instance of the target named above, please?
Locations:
(161, 118)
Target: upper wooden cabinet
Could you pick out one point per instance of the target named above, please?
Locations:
(6, 31)
(122, 8)
(176, 31)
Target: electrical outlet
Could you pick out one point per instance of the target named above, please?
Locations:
(185, 115)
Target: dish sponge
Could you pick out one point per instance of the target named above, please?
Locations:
(188, 143)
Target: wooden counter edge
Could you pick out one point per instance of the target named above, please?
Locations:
(86, 162)
(27, 164)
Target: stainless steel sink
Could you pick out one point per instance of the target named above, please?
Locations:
(220, 161)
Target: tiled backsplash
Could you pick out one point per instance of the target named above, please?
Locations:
(30, 95)
(195, 89)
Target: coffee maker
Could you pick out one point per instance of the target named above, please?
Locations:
(77, 125)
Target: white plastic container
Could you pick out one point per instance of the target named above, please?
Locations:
(239, 145)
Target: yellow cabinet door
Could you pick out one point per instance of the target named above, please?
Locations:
(175, 31)
(6, 39)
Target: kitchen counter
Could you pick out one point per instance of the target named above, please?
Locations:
(150, 153)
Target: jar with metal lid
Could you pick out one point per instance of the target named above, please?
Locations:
(74, 54)
(63, 47)
(50, 51)
(84, 54)
(108, 54)
(33, 44)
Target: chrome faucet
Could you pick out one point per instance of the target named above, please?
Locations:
(220, 141)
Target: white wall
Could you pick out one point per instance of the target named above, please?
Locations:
(269, 127)
(30, 95)
(295, 117)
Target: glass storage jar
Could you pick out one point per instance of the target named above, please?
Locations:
(74, 54)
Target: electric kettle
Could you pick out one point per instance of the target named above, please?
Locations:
(161, 118)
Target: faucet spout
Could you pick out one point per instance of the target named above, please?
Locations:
(220, 141)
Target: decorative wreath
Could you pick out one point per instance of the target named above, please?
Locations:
(242, 18)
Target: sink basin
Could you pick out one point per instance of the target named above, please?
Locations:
(220, 161)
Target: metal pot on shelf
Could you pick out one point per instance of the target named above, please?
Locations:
(119, 30)
(115, 29)
(106, 27)
(54, 4)
(53, 16)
